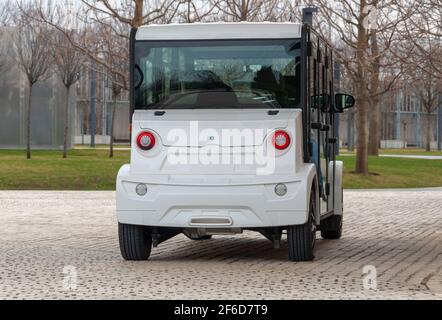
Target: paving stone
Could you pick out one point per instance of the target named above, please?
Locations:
(64, 245)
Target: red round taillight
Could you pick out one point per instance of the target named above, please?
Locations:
(145, 140)
(281, 139)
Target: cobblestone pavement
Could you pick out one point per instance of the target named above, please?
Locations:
(44, 234)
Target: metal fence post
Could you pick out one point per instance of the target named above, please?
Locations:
(397, 120)
(439, 124)
(92, 116)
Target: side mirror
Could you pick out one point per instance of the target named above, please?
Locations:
(343, 101)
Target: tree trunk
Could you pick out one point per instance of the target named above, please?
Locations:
(362, 143)
(362, 96)
(350, 129)
(428, 132)
(28, 123)
(375, 107)
(375, 127)
(244, 10)
(137, 21)
(111, 145)
(66, 124)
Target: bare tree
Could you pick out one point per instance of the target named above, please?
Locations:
(364, 32)
(290, 10)
(3, 54)
(33, 55)
(68, 62)
(428, 94)
(424, 32)
(427, 81)
(423, 46)
(4, 13)
(4, 17)
(367, 45)
(428, 18)
(347, 20)
(118, 17)
(248, 10)
(135, 13)
(374, 116)
(193, 11)
(114, 50)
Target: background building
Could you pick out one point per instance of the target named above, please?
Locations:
(402, 122)
(103, 109)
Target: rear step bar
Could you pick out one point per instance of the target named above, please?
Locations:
(215, 221)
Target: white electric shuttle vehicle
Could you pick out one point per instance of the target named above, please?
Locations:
(233, 129)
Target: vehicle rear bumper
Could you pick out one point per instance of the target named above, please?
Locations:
(211, 202)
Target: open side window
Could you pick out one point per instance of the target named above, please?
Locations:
(320, 118)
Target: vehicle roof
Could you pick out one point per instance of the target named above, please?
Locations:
(231, 30)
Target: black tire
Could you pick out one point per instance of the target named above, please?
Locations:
(206, 237)
(301, 238)
(135, 241)
(331, 228)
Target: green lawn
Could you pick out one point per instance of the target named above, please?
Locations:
(393, 173)
(82, 170)
(102, 146)
(415, 151)
(94, 170)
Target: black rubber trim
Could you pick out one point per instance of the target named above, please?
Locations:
(133, 33)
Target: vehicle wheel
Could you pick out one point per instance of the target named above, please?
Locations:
(331, 228)
(301, 239)
(207, 237)
(135, 241)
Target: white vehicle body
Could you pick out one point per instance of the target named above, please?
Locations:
(230, 196)
(219, 198)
